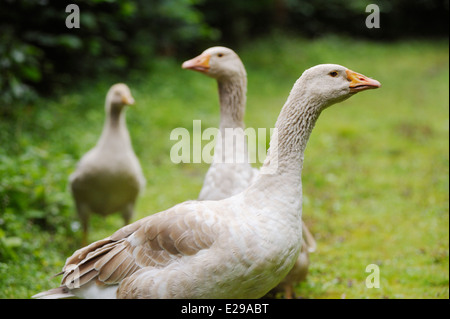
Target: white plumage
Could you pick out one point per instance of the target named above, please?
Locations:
(230, 172)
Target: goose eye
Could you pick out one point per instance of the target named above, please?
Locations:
(220, 55)
(333, 74)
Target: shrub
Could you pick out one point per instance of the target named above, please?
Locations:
(33, 197)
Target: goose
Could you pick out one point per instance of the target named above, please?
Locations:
(227, 177)
(108, 178)
(238, 247)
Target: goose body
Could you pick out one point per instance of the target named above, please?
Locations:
(109, 177)
(194, 267)
(238, 247)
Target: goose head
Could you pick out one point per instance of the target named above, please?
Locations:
(331, 83)
(217, 62)
(118, 96)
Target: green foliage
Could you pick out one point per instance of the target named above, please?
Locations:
(239, 21)
(19, 63)
(40, 55)
(33, 199)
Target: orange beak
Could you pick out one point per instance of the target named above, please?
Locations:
(200, 63)
(128, 100)
(359, 82)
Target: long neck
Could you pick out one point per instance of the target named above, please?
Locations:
(115, 129)
(231, 146)
(280, 175)
(293, 128)
(232, 98)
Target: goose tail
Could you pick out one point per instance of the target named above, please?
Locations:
(56, 293)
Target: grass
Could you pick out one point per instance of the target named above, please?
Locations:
(375, 177)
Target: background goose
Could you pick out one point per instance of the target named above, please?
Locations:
(109, 177)
(226, 177)
(238, 247)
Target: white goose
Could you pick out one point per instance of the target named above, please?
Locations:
(109, 177)
(227, 177)
(238, 247)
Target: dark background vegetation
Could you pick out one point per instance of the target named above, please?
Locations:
(38, 54)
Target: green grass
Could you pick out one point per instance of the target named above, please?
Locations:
(375, 176)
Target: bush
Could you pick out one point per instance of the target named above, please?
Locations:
(33, 197)
(39, 53)
(20, 64)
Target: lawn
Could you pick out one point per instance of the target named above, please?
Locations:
(375, 176)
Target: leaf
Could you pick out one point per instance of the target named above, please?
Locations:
(12, 242)
(70, 41)
(31, 73)
(18, 56)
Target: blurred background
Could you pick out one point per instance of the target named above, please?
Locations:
(376, 172)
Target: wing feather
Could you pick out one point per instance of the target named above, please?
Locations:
(154, 241)
(109, 263)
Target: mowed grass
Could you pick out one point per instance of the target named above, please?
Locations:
(375, 175)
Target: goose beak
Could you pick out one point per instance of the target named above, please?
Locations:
(359, 82)
(200, 63)
(128, 100)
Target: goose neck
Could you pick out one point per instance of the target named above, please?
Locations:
(280, 175)
(232, 98)
(115, 118)
(115, 129)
